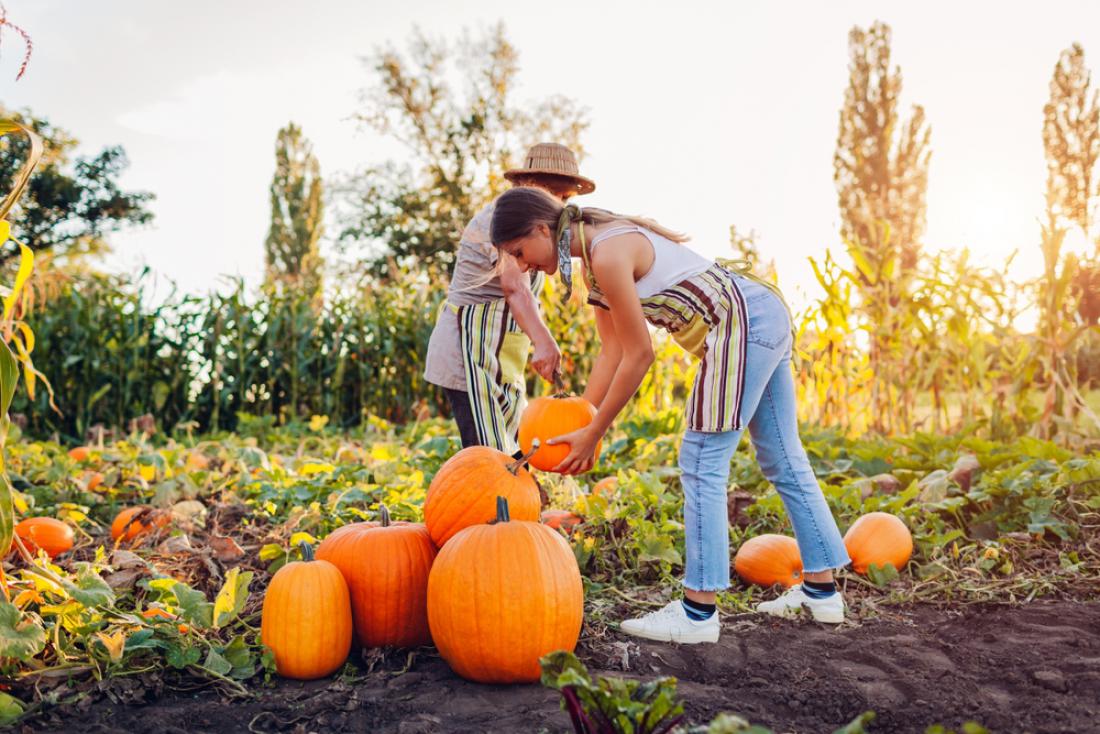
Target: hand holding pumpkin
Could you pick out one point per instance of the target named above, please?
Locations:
(583, 444)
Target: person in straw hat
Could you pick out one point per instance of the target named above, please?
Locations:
(640, 274)
(483, 333)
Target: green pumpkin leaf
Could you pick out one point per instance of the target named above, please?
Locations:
(881, 575)
(179, 657)
(89, 589)
(21, 637)
(194, 607)
(11, 708)
(217, 663)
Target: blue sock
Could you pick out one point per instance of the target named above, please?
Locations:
(816, 590)
(697, 611)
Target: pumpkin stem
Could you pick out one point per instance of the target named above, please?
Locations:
(516, 465)
(384, 515)
(559, 385)
(307, 551)
(502, 510)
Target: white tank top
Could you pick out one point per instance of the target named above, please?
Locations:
(672, 262)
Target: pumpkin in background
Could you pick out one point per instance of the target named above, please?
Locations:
(386, 567)
(47, 533)
(94, 480)
(769, 559)
(464, 490)
(549, 417)
(606, 487)
(501, 596)
(306, 618)
(561, 520)
(135, 521)
(80, 453)
(878, 538)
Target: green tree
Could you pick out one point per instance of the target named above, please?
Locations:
(1068, 299)
(292, 248)
(458, 142)
(880, 168)
(70, 205)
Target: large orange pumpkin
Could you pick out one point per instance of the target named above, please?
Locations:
(769, 559)
(549, 417)
(386, 566)
(465, 489)
(878, 538)
(501, 596)
(47, 533)
(306, 618)
(135, 521)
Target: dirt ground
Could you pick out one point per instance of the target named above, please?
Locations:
(1033, 668)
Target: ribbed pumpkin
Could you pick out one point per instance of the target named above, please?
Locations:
(135, 521)
(47, 533)
(465, 489)
(549, 417)
(501, 596)
(561, 520)
(386, 567)
(306, 618)
(878, 538)
(769, 559)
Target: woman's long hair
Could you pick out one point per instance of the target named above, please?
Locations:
(518, 211)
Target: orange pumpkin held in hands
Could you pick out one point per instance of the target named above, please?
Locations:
(464, 490)
(878, 538)
(135, 521)
(501, 596)
(386, 567)
(769, 559)
(306, 618)
(47, 533)
(549, 417)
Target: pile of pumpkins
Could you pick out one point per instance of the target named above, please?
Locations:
(877, 538)
(481, 578)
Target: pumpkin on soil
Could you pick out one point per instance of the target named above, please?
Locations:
(878, 538)
(464, 490)
(386, 567)
(135, 521)
(501, 596)
(306, 618)
(561, 520)
(769, 559)
(47, 533)
(549, 417)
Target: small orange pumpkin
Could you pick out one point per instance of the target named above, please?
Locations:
(94, 480)
(549, 417)
(47, 533)
(561, 520)
(386, 567)
(463, 491)
(80, 453)
(306, 618)
(606, 487)
(878, 538)
(769, 559)
(501, 596)
(135, 521)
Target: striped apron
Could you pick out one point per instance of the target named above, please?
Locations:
(706, 316)
(494, 356)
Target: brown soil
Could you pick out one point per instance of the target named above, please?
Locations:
(1033, 668)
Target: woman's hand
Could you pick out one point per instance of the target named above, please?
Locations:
(547, 358)
(582, 449)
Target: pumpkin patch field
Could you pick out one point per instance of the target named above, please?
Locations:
(282, 579)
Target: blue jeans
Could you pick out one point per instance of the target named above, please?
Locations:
(769, 398)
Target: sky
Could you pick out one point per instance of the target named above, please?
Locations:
(703, 114)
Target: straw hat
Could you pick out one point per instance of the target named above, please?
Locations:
(555, 160)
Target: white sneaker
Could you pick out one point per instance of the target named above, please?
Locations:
(672, 624)
(829, 610)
